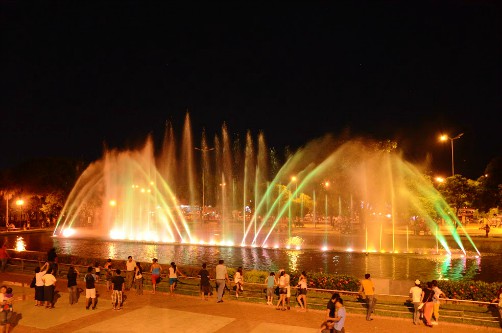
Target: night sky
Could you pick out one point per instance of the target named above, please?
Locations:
(77, 76)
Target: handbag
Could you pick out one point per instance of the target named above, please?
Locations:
(421, 305)
(33, 282)
(139, 276)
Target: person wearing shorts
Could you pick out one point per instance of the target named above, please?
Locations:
(90, 289)
(155, 271)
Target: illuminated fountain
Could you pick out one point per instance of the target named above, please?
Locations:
(355, 195)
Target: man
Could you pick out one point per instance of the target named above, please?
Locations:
(438, 293)
(221, 279)
(340, 316)
(118, 290)
(287, 279)
(130, 266)
(368, 288)
(329, 323)
(90, 289)
(416, 295)
(4, 256)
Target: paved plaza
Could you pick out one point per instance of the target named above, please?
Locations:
(164, 313)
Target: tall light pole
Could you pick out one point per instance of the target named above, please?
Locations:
(20, 203)
(445, 137)
(203, 150)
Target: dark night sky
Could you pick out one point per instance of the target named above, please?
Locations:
(74, 77)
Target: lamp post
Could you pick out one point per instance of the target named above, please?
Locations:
(445, 137)
(203, 150)
(20, 203)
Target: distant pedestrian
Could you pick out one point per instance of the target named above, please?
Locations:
(72, 285)
(368, 288)
(427, 299)
(155, 272)
(239, 281)
(416, 295)
(173, 277)
(270, 281)
(221, 279)
(436, 301)
(49, 286)
(205, 285)
(302, 291)
(90, 289)
(138, 279)
(118, 290)
(130, 266)
(97, 271)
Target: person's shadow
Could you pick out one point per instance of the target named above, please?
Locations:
(493, 308)
(14, 320)
(56, 297)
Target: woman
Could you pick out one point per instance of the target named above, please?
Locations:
(205, 286)
(155, 271)
(302, 291)
(108, 274)
(428, 300)
(49, 285)
(138, 278)
(173, 277)
(282, 292)
(39, 284)
(238, 280)
(72, 284)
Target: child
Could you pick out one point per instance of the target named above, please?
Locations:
(7, 300)
(7, 310)
(270, 281)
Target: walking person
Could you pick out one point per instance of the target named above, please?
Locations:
(118, 282)
(368, 288)
(270, 281)
(155, 271)
(49, 286)
(239, 281)
(138, 279)
(221, 279)
(427, 296)
(130, 266)
(436, 301)
(173, 277)
(72, 285)
(302, 291)
(205, 285)
(90, 289)
(416, 296)
(282, 292)
(39, 284)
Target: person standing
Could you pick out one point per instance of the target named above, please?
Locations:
(239, 281)
(4, 256)
(287, 280)
(427, 296)
(368, 288)
(270, 281)
(282, 291)
(498, 300)
(155, 271)
(6, 299)
(436, 301)
(173, 277)
(205, 285)
(221, 279)
(416, 295)
(52, 258)
(49, 285)
(130, 266)
(72, 285)
(138, 279)
(90, 289)
(39, 284)
(108, 274)
(118, 290)
(302, 291)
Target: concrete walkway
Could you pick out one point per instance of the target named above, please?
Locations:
(164, 313)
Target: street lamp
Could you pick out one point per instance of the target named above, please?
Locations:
(445, 137)
(20, 203)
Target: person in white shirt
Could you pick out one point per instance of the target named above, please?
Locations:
(239, 281)
(130, 269)
(221, 279)
(416, 295)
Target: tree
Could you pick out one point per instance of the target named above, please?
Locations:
(459, 191)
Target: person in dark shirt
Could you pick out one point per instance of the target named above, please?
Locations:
(52, 258)
(118, 282)
(72, 284)
(205, 286)
(329, 323)
(90, 289)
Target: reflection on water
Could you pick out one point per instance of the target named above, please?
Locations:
(391, 266)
